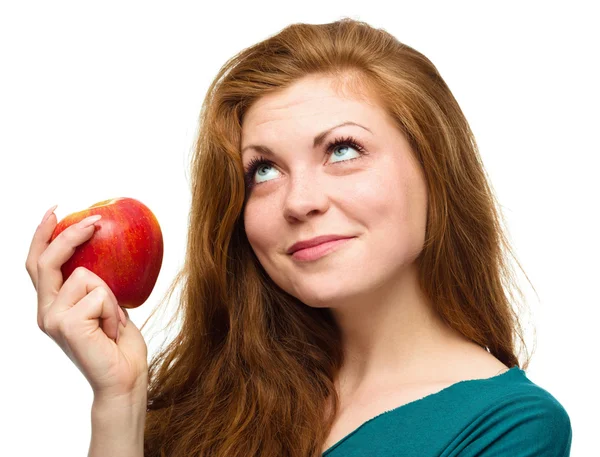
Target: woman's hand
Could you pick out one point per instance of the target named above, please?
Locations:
(82, 314)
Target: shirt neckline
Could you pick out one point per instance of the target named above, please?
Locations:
(514, 369)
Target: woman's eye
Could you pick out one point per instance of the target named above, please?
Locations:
(342, 147)
(260, 167)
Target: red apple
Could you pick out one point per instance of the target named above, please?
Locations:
(126, 250)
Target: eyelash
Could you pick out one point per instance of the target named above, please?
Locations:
(341, 141)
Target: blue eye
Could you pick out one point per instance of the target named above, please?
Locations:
(257, 162)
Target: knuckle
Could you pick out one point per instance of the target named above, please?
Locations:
(32, 274)
(40, 323)
(41, 262)
(49, 324)
(80, 273)
(102, 294)
(66, 237)
(70, 233)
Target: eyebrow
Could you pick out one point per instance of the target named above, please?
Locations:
(318, 140)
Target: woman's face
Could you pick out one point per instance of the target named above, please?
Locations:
(379, 198)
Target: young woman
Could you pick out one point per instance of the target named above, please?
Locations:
(347, 286)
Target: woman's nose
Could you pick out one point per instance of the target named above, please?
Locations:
(305, 196)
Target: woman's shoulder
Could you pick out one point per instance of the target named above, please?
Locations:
(513, 414)
(512, 389)
(514, 386)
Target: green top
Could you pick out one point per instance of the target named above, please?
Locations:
(506, 415)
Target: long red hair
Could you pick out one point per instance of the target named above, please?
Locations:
(251, 368)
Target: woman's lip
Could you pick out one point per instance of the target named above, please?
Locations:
(316, 252)
(315, 242)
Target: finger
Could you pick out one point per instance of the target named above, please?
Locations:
(39, 243)
(81, 282)
(122, 316)
(97, 305)
(49, 274)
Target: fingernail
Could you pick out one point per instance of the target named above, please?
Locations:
(89, 221)
(48, 213)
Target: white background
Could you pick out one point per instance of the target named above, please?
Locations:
(101, 100)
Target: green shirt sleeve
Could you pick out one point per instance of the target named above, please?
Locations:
(528, 425)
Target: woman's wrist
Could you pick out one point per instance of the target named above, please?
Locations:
(118, 425)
